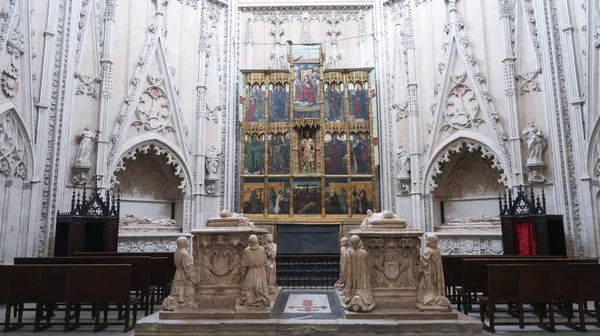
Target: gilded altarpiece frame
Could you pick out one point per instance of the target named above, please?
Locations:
(302, 121)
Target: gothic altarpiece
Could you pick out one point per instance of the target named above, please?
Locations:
(308, 140)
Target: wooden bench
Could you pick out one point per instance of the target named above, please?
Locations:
(160, 266)
(475, 277)
(543, 285)
(171, 269)
(73, 285)
(140, 271)
(453, 273)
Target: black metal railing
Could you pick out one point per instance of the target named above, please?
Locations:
(308, 271)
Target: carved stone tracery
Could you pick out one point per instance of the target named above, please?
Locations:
(14, 148)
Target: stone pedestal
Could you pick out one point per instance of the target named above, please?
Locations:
(218, 250)
(394, 256)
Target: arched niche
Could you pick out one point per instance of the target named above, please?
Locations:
(467, 190)
(150, 188)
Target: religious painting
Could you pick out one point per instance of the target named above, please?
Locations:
(255, 103)
(278, 197)
(360, 154)
(254, 154)
(307, 197)
(334, 102)
(253, 198)
(279, 153)
(336, 196)
(307, 79)
(335, 153)
(307, 151)
(358, 101)
(279, 102)
(361, 197)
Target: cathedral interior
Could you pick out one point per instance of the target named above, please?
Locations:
(303, 116)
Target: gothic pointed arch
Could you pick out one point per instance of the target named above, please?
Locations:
(472, 142)
(16, 155)
(463, 103)
(152, 105)
(152, 145)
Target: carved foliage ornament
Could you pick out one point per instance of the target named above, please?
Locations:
(10, 81)
(87, 86)
(12, 147)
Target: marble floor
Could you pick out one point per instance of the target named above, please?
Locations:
(293, 304)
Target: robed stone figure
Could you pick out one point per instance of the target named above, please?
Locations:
(271, 267)
(183, 289)
(254, 289)
(359, 297)
(341, 283)
(431, 292)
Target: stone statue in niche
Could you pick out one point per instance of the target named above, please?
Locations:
(254, 290)
(143, 220)
(183, 289)
(536, 143)
(271, 267)
(403, 163)
(359, 297)
(431, 291)
(212, 164)
(86, 145)
(341, 283)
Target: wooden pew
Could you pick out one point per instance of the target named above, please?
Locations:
(161, 264)
(475, 276)
(140, 270)
(453, 273)
(73, 285)
(543, 285)
(169, 255)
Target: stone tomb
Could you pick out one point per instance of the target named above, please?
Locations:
(218, 251)
(394, 253)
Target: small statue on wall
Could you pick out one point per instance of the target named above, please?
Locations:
(341, 283)
(86, 145)
(403, 162)
(254, 290)
(212, 164)
(271, 267)
(359, 297)
(536, 143)
(431, 291)
(183, 289)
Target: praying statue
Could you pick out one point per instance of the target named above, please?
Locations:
(431, 291)
(86, 145)
(254, 289)
(359, 297)
(343, 251)
(535, 144)
(183, 289)
(271, 251)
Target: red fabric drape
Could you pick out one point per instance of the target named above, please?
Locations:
(525, 238)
